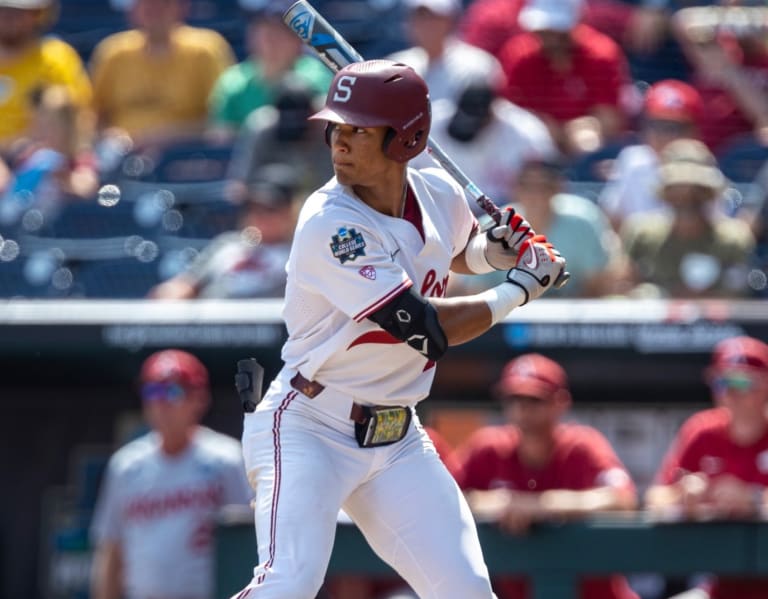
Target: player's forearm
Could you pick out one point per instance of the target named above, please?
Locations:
(660, 497)
(561, 502)
(462, 318)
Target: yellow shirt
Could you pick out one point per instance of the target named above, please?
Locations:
(48, 62)
(143, 93)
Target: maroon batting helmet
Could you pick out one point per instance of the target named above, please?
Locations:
(382, 93)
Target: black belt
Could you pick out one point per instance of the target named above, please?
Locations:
(312, 389)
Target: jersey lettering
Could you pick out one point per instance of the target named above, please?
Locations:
(431, 287)
(344, 88)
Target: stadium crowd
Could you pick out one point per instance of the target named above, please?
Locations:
(140, 126)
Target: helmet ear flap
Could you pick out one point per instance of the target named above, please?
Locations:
(389, 137)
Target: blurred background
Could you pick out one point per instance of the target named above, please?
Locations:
(148, 203)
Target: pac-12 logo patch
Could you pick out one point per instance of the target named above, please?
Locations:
(369, 272)
(347, 244)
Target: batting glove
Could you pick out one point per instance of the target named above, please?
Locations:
(506, 239)
(538, 267)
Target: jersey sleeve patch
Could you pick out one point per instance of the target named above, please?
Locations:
(347, 244)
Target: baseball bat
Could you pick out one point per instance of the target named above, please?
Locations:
(317, 33)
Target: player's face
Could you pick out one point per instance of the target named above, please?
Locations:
(357, 155)
(532, 415)
(169, 408)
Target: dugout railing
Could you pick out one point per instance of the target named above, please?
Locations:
(555, 556)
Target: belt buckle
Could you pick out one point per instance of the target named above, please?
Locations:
(383, 425)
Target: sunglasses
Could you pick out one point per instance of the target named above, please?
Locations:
(168, 392)
(735, 381)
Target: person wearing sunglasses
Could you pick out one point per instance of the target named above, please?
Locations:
(154, 520)
(717, 466)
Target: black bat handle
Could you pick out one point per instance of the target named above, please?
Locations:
(248, 382)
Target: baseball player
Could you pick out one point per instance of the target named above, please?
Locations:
(154, 520)
(717, 466)
(367, 320)
(537, 468)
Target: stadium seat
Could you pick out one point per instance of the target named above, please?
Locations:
(742, 159)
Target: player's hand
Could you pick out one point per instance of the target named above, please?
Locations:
(506, 239)
(538, 266)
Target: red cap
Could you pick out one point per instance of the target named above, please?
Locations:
(740, 353)
(672, 100)
(531, 375)
(174, 365)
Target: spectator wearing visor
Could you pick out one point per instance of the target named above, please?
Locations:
(154, 520)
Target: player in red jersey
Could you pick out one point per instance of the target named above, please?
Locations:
(538, 468)
(717, 466)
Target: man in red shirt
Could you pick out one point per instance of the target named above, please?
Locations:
(538, 468)
(717, 467)
(569, 74)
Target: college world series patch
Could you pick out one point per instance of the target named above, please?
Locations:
(347, 244)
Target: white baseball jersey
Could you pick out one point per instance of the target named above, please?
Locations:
(161, 510)
(346, 262)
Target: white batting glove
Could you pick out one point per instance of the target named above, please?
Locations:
(506, 239)
(538, 267)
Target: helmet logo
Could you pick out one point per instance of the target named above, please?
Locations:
(344, 88)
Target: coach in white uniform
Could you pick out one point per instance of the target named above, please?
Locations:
(367, 320)
(155, 517)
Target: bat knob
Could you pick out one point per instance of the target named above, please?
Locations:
(562, 279)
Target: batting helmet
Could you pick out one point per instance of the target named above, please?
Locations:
(382, 93)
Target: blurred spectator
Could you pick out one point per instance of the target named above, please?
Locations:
(568, 73)
(282, 133)
(155, 516)
(446, 63)
(640, 27)
(152, 82)
(274, 52)
(671, 110)
(573, 224)
(726, 48)
(249, 262)
(54, 163)
(715, 468)
(537, 468)
(489, 137)
(692, 251)
(29, 61)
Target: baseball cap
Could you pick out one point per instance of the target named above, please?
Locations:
(672, 100)
(174, 365)
(550, 15)
(739, 353)
(689, 161)
(473, 109)
(445, 8)
(531, 375)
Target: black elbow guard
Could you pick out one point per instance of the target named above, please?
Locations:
(412, 319)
